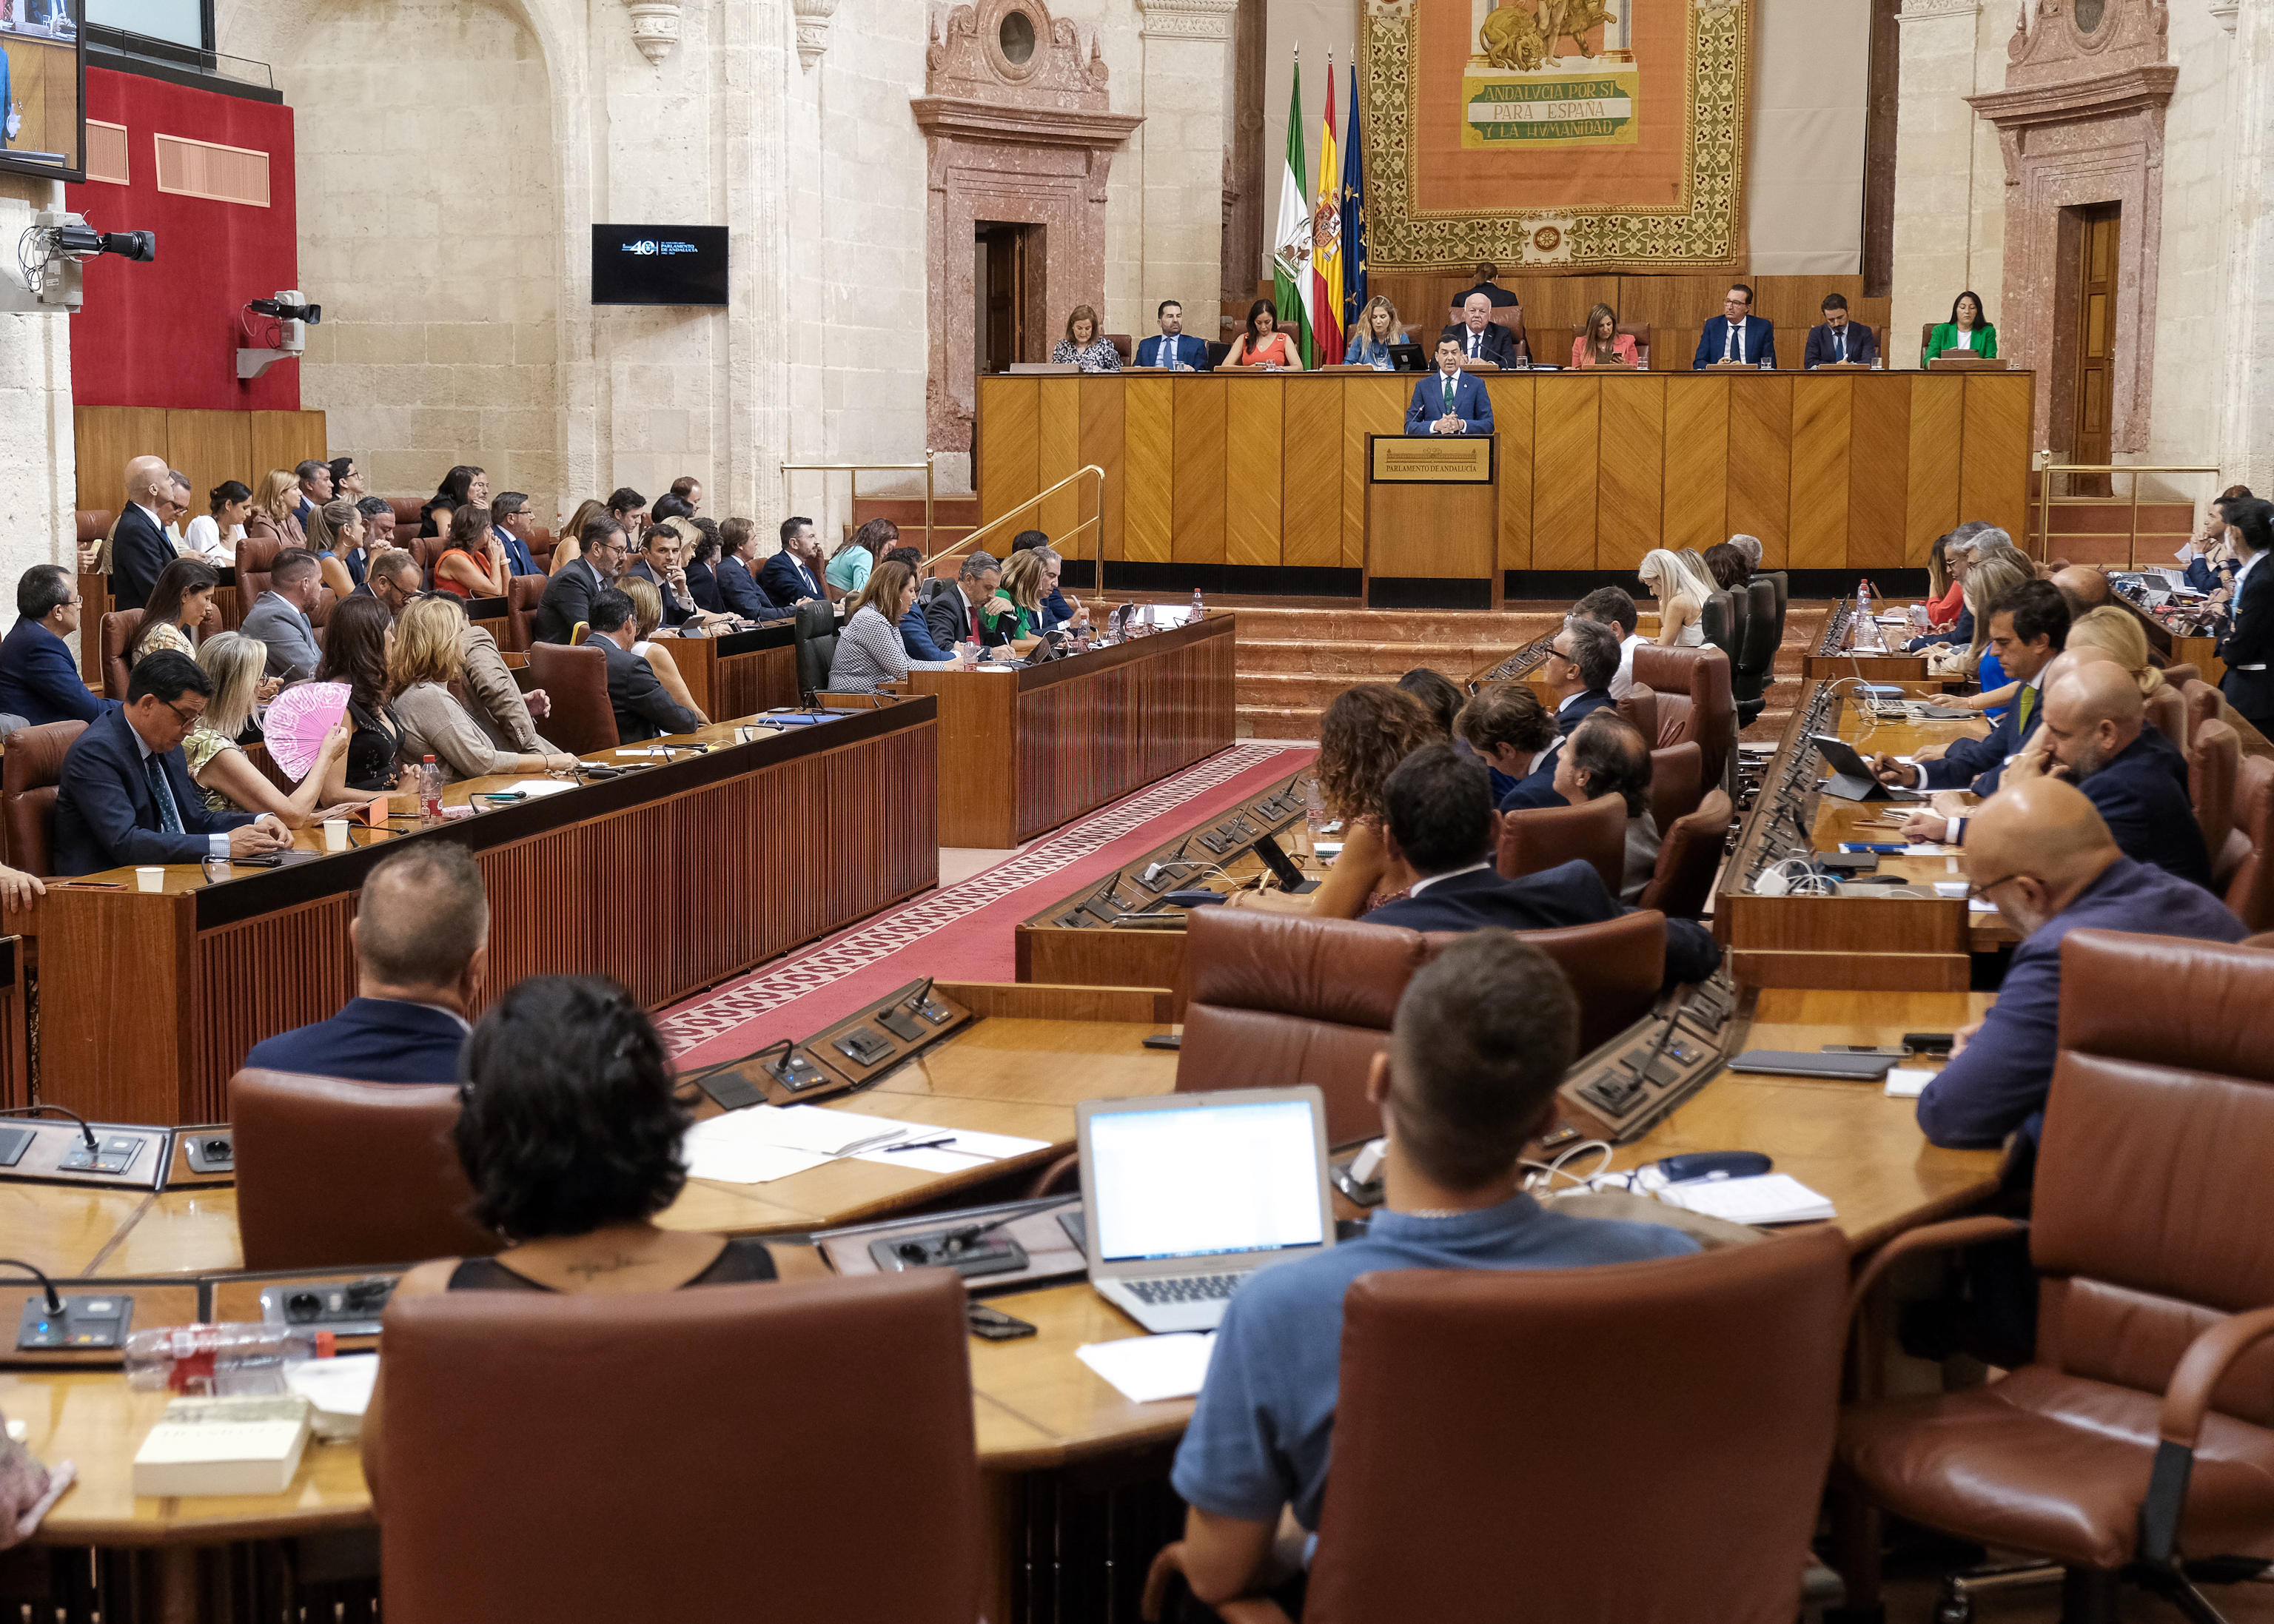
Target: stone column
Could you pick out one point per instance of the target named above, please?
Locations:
(40, 492)
(2246, 418)
(1934, 166)
(1187, 47)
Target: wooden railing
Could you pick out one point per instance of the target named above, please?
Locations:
(2045, 473)
(1061, 545)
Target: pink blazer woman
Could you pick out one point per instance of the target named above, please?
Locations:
(1583, 350)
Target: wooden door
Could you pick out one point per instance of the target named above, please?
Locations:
(2094, 344)
(1003, 297)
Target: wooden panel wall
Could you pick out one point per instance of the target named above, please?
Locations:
(208, 446)
(1832, 470)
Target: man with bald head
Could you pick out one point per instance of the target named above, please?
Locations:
(2041, 854)
(2084, 588)
(139, 547)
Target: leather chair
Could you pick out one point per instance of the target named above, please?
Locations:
(1123, 346)
(1781, 584)
(2250, 887)
(2203, 701)
(584, 718)
(1717, 618)
(95, 523)
(1617, 967)
(523, 594)
(1677, 783)
(1538, 838)
(1271, 1000)
(1509, 317)
(814, 633)
(2167, 711)
(119, 628)
(1690, 851)
(1754, 667)
(334, 1175)
(30, 769)
(409, 514)
(1693, 700)
(869, 1476)
(1721, 1370)
(1639, 707)
(2214, 760)
(256, 555)
(2146, 1417)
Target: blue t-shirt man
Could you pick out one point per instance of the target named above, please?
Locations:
(1259, 1438)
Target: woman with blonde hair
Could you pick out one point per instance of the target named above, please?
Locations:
(1378, 329)
(273, 509)
(1016, 609)
(1602, 344)
(2120, 633)
(647, 614)
(427, 656)
(220, 769)
(1681, 603)
(1991, 576)
(336, 536)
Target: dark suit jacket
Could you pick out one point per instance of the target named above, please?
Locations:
(518, 559)
(1980, 764)
(1570, 893)
(916, 636)
(1823, 348)
(949, 617)
(703, 585)
(138, 550)
(567, 599)
(370, 1041)
(1502, 298)
(741, 595)
(38, 680)
(785, 580)
(1580, 707)
(104, 816)
(1537, 788)
(644, 709)
(1187, 351)
(2143, 797)
(2250, 642)
(1760, 342)
(1495, 343)
(2000, 1082)
(673, 614)
(1959, 636)
(1470, 400)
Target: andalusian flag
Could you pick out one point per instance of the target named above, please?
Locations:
(1327, 246)
(1290, 258)
(1353, 210)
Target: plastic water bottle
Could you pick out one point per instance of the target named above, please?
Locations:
(1766, 366)
(230, 1360)
(1198, 612)
(429, 793)
(1867, 631)
(1314, 808)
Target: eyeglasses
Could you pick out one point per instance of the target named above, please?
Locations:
(1981, 892)
(190, 720)
(1556, 653)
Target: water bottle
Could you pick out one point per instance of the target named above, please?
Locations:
(1198, 612)
(1876, 366)
(1766, 366)
(429, 793)
(230, 1360)
(1315, 810)
(1867, 631)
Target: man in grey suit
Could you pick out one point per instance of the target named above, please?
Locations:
(279, 619)
(644, 709)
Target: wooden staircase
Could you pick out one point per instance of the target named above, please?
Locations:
(2097, 530)
(1293, 662)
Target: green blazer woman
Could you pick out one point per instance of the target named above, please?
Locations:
(1982, 341)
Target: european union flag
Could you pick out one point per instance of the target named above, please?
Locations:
(1353, 215)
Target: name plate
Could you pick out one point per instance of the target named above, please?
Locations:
(1436, 459)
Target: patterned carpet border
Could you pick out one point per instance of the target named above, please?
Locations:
(903, 927)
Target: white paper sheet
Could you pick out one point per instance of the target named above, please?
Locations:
(1907, 1082)
(1147, 1368)
(968, 1150)
(538, 786)
(1769, 1197)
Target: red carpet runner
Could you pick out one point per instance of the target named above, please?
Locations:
(960, 932)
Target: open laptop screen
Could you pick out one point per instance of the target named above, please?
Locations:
(1215, 1179)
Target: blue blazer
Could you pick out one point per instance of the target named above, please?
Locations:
(2000, 1082)
(785, 580)
(370, 1041)
(1824, 347)
(705, 586)
(517, 557)
(38, 680)
(916, 636)
(1570, 893)
(2143, 797)
(1760, 342)
(1980, 764)
(1537, 788)
(1183, 350)
(1959, 636)
(138, 550)
(1471, 404)
(104, 816)
(741, 595)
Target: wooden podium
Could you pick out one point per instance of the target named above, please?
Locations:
(1432, 522)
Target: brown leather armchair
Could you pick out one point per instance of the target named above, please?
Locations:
(2214, 759)
(94, 523)
(2167, 711)
(1720, 1370)
(119, 628)
(1534, 839)
(2204, 702)
(409, 514)
(523, 594)
(2250, 887)
(1688, 856)
(1677, 783)
(335, 1174)
(533, 1463)
(256, 556)
(2144, 1425)
(1639, 707)
(30, 769)
(1618, 967)
(1693, 700)
(576, 680)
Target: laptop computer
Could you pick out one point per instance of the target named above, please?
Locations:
(1852, 778)
(1186, 1195)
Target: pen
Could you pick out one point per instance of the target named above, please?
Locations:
(921, 1145)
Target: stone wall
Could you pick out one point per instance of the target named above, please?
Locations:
(38, 469)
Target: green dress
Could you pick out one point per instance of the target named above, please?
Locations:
(1946, 337)
(1009, 625)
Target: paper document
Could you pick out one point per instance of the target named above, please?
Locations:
(964, 1151)
(1980, 904)
(538, 786)
(1907, 1082)
(340, 1389)
(766, 1142)
(1146, 1368)
(1769, 1197)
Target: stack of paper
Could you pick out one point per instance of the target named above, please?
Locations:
(766, 1142)
(340, 1390)
(224, 1446)
(1767, 1198)
(1147, 1368)
(1907, 1082)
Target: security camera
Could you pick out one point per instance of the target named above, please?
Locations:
(48, 256)
(293, 315)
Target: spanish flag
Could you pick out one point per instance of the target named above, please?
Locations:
(1327, 245)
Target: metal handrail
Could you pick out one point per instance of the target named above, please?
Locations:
(1058, 545)
(858, 468)
(2046, 470)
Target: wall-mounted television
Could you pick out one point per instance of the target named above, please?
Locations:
(43, 89)
(656, 265)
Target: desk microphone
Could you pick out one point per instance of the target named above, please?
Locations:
(28, 1111)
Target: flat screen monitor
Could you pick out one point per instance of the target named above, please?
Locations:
(658, 265)
(43, 89)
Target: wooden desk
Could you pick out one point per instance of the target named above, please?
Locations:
(204, 970)
(1022, 752)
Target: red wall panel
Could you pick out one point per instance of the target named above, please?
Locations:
(166, 334)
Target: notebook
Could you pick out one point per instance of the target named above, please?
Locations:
(1185, 1196)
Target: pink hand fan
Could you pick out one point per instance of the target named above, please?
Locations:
(296, 723)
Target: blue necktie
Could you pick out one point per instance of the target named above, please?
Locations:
(162, 793)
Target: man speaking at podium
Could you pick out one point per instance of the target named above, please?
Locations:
(1448, 401)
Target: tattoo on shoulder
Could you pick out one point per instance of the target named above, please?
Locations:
(604, 1266)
